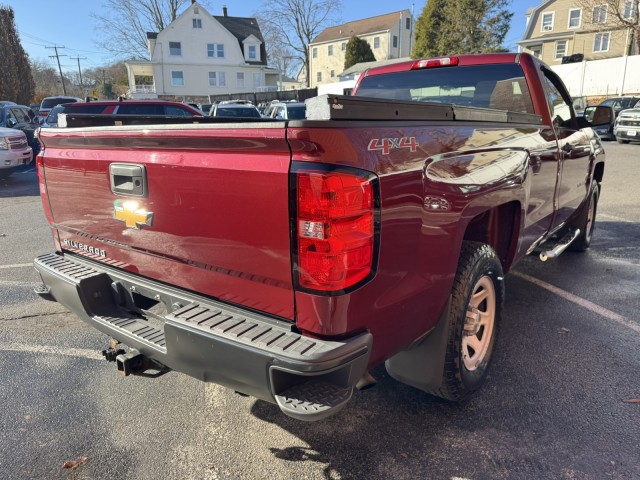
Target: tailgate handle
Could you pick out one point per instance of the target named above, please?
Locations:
(128, 179)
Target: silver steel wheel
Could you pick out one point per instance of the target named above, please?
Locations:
(479, 323)
(591, 216)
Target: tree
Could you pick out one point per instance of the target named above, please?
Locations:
(611, 15)
(298, 22)
(358, 50)
(451, 27)
(428, 27)
(16, 82)
(126, 23)
(279, 54)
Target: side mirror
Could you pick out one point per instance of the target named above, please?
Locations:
(599, 115)
(11, 122)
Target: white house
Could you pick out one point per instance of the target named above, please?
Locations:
(199, 54)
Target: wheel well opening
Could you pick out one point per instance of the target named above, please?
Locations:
(497, 227)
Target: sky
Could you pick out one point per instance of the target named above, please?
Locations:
(68, 24)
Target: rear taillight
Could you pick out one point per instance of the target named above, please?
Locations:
(435, 62)
(336, 228)
(44, 196)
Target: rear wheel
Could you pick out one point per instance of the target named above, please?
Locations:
(586, 221)
(474, 316)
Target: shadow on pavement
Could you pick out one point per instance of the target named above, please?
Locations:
(22, 183)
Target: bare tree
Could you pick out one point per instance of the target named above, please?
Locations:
(612, 15)
(126, 23)
(297, 22)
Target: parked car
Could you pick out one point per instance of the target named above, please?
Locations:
(239, 110)
(52, 119)
(21, 117)
(126, 107)
(627, 126)
(288, 111)
(49, 102)
(618, 104)
(14, 151)
(621, 103)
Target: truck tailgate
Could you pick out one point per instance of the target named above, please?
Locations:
(202, 207)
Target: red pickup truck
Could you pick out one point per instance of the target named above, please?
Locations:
(285, 260)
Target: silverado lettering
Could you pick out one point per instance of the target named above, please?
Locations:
(289, 258)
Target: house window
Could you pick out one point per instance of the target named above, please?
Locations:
(257, 80)
(601, 42)
(376, 42)
(319, 76)
(175, 49)
(197, 23)
(575, 16)
(196, 10)
(217, 79)
(561, 49)
(333, 73)
(330, 50)
(252, 52)
(628, 12)
(600, 14)
(240, 79)
(395, 41)
(314, 52)
(536, 51)
(547, 21)
(344, 46)
(177, 78)
(215, 50)
(408, 23)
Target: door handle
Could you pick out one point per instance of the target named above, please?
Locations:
(128, 179)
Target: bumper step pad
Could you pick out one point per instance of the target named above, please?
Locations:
(313, 400)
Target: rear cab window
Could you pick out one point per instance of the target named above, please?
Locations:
(498, 86)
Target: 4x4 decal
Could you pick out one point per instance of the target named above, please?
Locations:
(388, 144)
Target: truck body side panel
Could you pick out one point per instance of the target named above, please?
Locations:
(430, 190)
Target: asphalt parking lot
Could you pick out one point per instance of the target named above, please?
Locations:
(562, 400)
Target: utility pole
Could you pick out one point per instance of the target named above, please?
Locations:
(57, 56)
(79, 71)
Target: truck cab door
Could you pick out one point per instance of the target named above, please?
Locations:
(574, 150)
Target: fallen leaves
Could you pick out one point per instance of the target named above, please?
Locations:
(563, 330)
(73, 464)
(633, 400)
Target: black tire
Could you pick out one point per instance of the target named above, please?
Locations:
(587, 220)
(480, 272)
(622, 141)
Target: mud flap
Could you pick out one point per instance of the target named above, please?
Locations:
(422, 365)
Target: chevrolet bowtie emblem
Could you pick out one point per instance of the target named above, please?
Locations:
(131, 214)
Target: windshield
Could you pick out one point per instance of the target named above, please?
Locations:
(53, 101)
(296, 113)
(237, 112)
(500, 86)
(53, 114)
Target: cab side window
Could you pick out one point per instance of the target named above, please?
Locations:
(559, 104)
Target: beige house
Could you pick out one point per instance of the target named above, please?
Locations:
(390, 36)
(199, 54)
(560, 28)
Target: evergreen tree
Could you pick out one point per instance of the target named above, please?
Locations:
(16, 82)
(451, 27)
(357, 51)
(428, 27)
